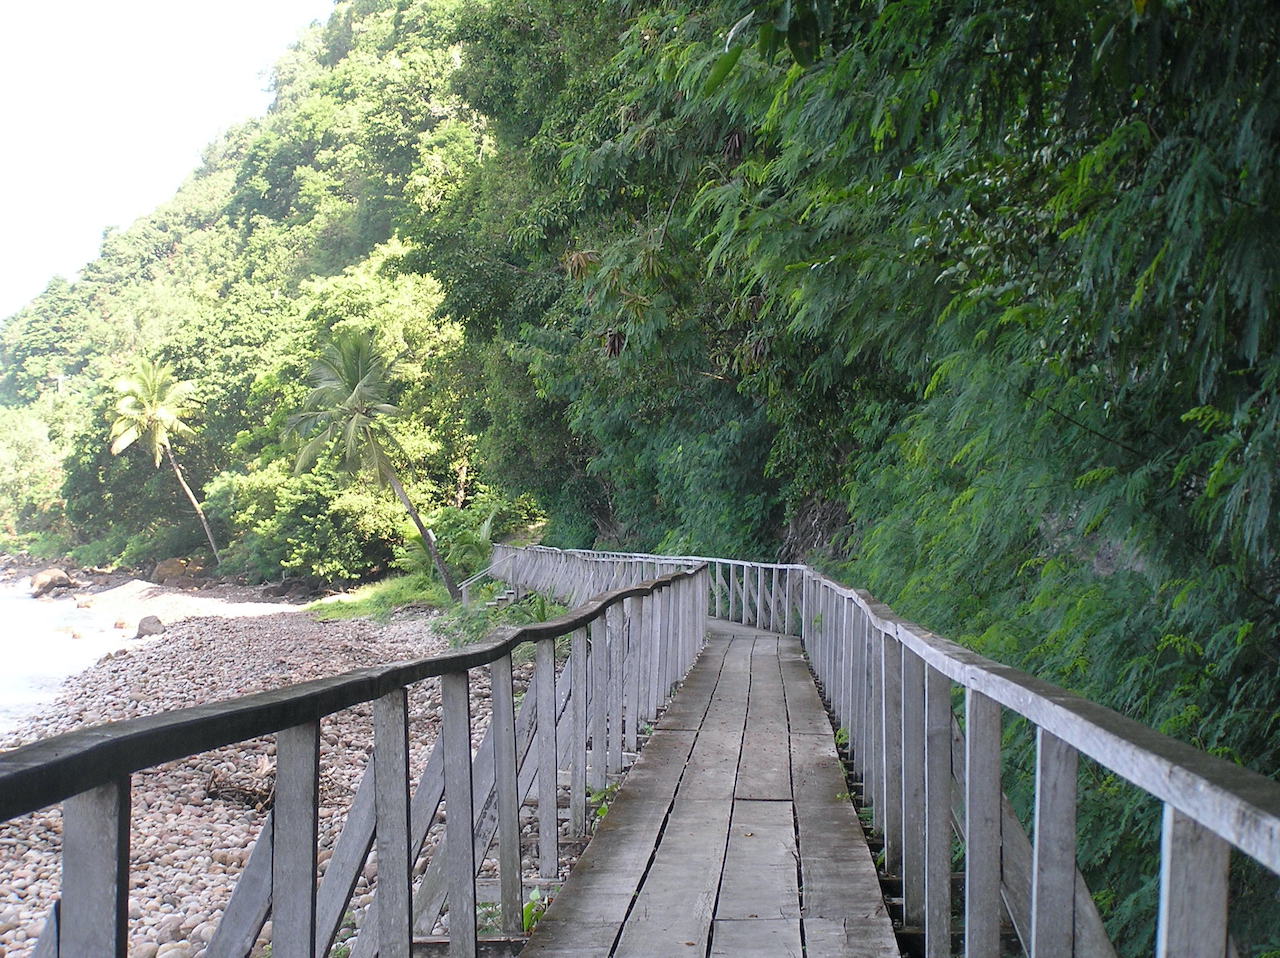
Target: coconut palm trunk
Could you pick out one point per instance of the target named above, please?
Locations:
(177, 471)
(428, 538)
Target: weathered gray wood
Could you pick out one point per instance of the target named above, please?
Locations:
(858, 732)
(1053, 867)
(937, 816)
(913, 800)
(617, 685)
(1016, 854)
(47, 946)
(578, 733)
(293, 860)
(1193, 890)
(455, 736)
(506, 782)
(598, 709)
(873, 782)
(548, 828)
(764, 770)
(632, 617)
(94, 912)
(591, 907)
(250, 903)
(391, 784)
(982, 827)
(756, 938)
(832, 938)
(676, 902)
(759, 878)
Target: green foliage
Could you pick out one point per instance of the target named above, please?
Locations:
(379, 600)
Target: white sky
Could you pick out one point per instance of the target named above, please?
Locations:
(105, 108)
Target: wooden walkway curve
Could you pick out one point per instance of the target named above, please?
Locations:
(733, 834)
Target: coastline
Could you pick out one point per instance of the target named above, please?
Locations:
(188, 845)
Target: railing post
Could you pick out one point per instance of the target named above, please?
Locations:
(874, 783)
(578, 719)
(506, 785)
(597, 779)
(913, 800)
(1193, 889)
(937, 820)
(548, 827)
(632, 626)
(848, 677)
(455, 737)
(1053, 863)
(613, 626)
(93, 915)
(858, 721)
(293, 862)
(982, 826)
(891, 738)
(391, 803)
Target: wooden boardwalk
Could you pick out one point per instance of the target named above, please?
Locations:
(733, 834)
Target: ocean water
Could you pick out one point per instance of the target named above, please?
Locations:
(43, 642)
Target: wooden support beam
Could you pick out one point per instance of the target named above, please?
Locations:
(982, 827)
(455, 736)
(94, 912)
(293, 860)
(506, 783)
(1193, 889)
(548, 827)
(391, 792)
(1053, 859)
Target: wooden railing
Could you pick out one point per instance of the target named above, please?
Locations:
(932, 773)
(627, 648)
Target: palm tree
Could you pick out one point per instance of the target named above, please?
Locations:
(151, 407)
(348, 403)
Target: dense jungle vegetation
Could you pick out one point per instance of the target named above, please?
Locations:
(972, 304)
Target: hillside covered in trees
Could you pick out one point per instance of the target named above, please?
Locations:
(971, 304)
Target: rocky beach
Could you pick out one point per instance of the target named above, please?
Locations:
(192, 834)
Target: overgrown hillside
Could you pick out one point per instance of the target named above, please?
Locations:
(971, 304)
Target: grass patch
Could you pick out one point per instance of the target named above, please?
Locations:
(378, 600)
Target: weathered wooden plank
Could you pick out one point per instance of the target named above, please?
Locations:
(758, 938)
(805, 715)
(578, 732)
(759, 879)
(595, 900)
(1193, 890)
(913, 801)
(676, 901)
(1053, 863)
(391, 784)
(845, 938)
(548, 827)
(937, 817)
(712, 769)
(688, 709)
(617, 684)
(598, 705)
(250, 903)
(982, 827)
(764, 770)
(94, 912)
(633, 626)
(293, 860)
(455, 738)
(47, 945)
(838, 875)
(506, 782)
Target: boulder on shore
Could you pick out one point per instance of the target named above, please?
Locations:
(150, 625)
(52, 578)
(169, 569)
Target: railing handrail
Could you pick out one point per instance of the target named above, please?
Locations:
(1191, 780)
(53, 769)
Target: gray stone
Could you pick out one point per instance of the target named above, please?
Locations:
(150, 625)
(48, 580)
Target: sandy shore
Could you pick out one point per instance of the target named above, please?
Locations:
(188, 847)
